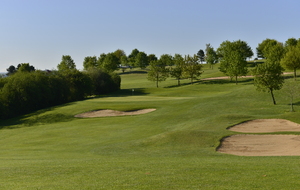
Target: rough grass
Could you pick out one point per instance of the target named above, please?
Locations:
(170, 148)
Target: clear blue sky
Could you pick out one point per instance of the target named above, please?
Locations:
(39, 32)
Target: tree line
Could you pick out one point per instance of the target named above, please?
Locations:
(27, 89)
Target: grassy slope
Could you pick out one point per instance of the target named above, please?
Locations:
(171, 148)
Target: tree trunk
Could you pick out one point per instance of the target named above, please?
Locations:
(178, 82)
(236, 80)
(295, 74)
(292, 106)
(273, 98)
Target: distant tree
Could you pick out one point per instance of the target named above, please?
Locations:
(158, 72)
(291, 59)
(201, 55)
(119, 53)
(166, 59)
(152, 57)
(263, 47)
(110, 62)
(11, 70)
(124, 63)
(291, 42)
(192, 68)
(66, 64)
(292, 90)
(25, 67)
(90, 62)
(233, 57)
(132, 57)
(141, 60)
(211, 57)
(178, 70)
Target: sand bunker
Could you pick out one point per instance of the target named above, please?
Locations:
(266, 126)
(110, 113)
(263, 145)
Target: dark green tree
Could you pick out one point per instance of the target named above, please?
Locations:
(66, 64)
(291, 60)
(11, 70)
(201, 55)
(166, 59)
(110, 63)
(263, 47)
(141, 60)
(90, 62)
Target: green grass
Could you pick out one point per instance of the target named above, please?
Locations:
(173, 147)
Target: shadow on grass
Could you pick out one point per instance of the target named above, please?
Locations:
(35, 118)
(133, 72)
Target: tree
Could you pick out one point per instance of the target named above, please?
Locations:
(11, 70)
(166, 59)
(192, 68)
(151, 57)
(291, 42)
(132, 57)
(268, 77)
(263, 47)
(201, 55)
(158, 72)
(292, 90)
(233, 58)
(110, 62)
(66, 64)
(90, 62)
(141, 60)
(178, 71)
(211, 57)
(291, 59)
(25, 67)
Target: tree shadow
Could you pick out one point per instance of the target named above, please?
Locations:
(36, 117)
(133, 72)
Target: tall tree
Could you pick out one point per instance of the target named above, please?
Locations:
(158, 72)
(292, 90)
(152, 57)
(233, 57)
(132, 57)
(110, 63)
(263, 47)
(141, 60)
(90, 62)
(201, 55)
(268, 77)
(291, 59)
(66, 64)
(192, 68)
(178, 70)
(211, 57)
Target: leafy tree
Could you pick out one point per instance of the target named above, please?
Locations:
(291, 59)
(25, 67)
(124, 63)
(201, 55)
(158, 72)
(263, 47)
(132, 57)
(233, 58)
(66, 64)
(90, 62)
(268, 77)
(11, 70)
(178, 71)
(211, 57)
(166, 59)
(141, 60)
(292, 90)
(192, 68)
(103, 82)
(151, 57)
(110, 62)
(119, 53)
(291, 42)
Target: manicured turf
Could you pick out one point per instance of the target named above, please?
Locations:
(173, 147)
